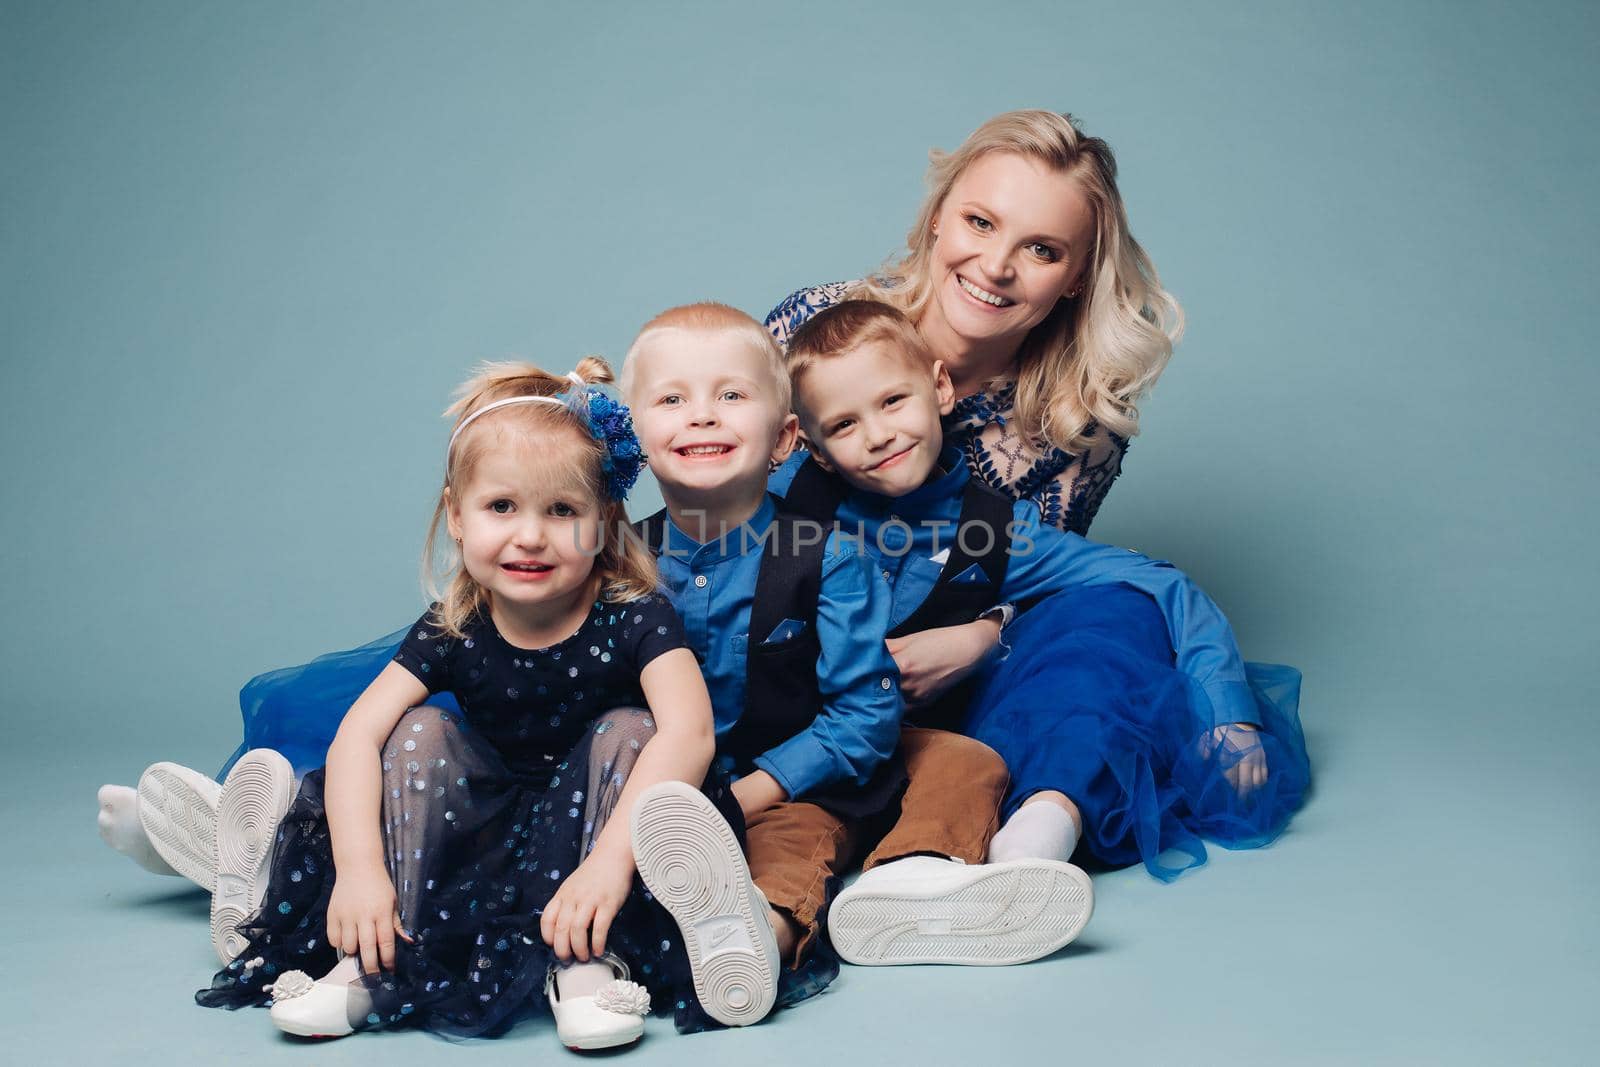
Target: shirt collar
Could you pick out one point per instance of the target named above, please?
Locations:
(682, 546)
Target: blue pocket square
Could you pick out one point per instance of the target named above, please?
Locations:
(785, 630)
(973, 575)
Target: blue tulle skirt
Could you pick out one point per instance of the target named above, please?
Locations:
(297, 710)
(1088, 702)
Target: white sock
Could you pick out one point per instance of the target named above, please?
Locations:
(1040, 831)
(582, 979)
(120, 828)
(346, 970)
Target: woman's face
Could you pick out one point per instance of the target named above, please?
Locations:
(1011, 239)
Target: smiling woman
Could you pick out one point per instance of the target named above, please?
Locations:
(1022, 280)
(1022, 275)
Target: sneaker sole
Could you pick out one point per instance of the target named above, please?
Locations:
(1004, 914)
(255, 796)
(689, 857)
(179, 816)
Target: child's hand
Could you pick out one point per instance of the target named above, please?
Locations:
(756, 792)
(933, 661)
(579, 916)
(362, 917)
(1236, 740)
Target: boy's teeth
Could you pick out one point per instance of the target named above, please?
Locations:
(983, 294)
(704, 450)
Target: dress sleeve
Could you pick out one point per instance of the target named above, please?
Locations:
(427, 653)
(653, 628)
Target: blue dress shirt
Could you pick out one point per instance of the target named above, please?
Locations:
(907, 536)
(713, 585)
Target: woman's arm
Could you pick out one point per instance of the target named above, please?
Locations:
(578, 917)
(361, 911)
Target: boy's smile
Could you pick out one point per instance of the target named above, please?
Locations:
(709, 418)
(872, 415)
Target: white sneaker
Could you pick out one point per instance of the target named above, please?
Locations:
(178, 810)
(254, 798)
(612, 1015)
(925, 909)
(689, 857)
(307, 1008)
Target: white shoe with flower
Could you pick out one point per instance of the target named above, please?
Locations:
(311, 1008)
(595, 1004)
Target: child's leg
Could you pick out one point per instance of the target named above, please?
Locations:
(118, 821)
(912, 904)
(619, 736)
(793, 849)
(951, 806)
(1047, 826)
(168, 825)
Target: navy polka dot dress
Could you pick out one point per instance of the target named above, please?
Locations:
(484, 812)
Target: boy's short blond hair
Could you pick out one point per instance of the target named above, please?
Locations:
(845, 327)
(710, 317)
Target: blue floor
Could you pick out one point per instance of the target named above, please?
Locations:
(1428, 906)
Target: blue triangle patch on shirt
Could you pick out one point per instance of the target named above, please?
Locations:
(973, 575)
(785, 631)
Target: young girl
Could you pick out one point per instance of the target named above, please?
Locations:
(455, 857)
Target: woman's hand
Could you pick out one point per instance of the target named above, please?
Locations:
(756, 792)
(579, 916)
(362, 918)
(1249, 771)
(933, 661)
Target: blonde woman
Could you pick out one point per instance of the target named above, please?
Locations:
(1021, 275)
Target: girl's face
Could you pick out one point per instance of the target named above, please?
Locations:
(1011, 239)
(529, 530)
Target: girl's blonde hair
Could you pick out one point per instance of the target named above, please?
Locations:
(627, 569)
(1092, 358)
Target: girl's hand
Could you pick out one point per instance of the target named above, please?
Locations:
(1249, 772)
(579, 916)
(362, 918)
(933, 661)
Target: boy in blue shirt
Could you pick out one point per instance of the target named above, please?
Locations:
(821, 753)
(870, 398)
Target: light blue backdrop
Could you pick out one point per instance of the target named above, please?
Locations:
(247, 250)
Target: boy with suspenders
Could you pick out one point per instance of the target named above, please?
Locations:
(869, 397)
(789, 622)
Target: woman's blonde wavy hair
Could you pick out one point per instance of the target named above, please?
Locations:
(627, 569)
(1093, 357)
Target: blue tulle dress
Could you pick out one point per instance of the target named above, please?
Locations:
(1088, 702)
(297, 710)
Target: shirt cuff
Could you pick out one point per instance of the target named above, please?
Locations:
(801, 765)
(1000, 613)
(1232, 702)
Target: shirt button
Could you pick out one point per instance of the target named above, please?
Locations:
(886, 576)
(887, 684)
(699, 581)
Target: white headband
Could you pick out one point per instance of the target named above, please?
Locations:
(464, 423)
